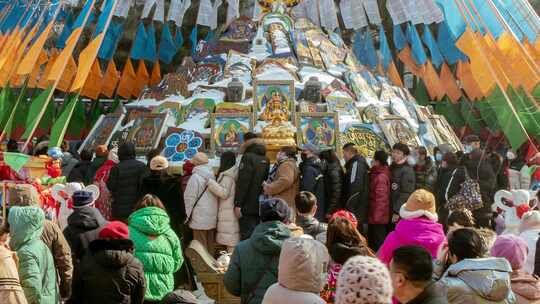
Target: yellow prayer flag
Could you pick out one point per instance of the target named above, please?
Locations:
(449, 83)
(142, 79)
(156, 74)
(464, 74)
(68, 75)
(127, 82)
(532, 51)
(393, 74)
(92, 86)
(86, 60)
(433, 84)
(504, 73)
(65, 56)
(34, 75)
(110, 80)
(528, 77)
(29, 61)
(405, 55)
(43, 79)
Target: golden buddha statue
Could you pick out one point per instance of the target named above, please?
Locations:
(279, 132)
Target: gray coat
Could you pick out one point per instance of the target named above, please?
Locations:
(479, 281)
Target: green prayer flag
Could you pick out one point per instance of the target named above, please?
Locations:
(421, 93)
(469, 115)
(527, 112)
(10, 113)
(6, 105)
(450, 111)
(507, 119)
(488, 116)
(77, 124)
(60, 126)
(36, 107)
(15, 160)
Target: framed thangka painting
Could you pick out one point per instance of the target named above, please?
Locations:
(397, 130)
(274, 100)
(182, 145)
(102, 131)
(146, 132)
(366, 140)
(228, 131)
(320, 129)
(200, 109)
(174, 109)
(444, 132)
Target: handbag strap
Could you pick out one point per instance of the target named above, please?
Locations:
(449, 184)
(252, 292)
(196, 202)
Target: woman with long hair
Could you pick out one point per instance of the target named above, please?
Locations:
(156, 246)
(333, 180)
(228, 229)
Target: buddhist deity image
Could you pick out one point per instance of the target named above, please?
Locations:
(230, 131)
(274, 100)
(276, 109)
(320, 131)
(144, 134)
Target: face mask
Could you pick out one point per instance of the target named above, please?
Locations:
(438, 157)
(411, 160)
(510, 155)
(467, 149)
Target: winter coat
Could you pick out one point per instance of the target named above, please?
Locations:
(285, 183)
(526, 287)
(480, 169)
(204, 212)
(125, 182)
(104, 201)
(36, 265)
(403, 184)
(252, 172)
(301, 266)
(445, 182)
(333, 182)
(485, 280)
(97, 162)
(531, 237)
(254, 262)
(426, 175)
(68, 163)
(418, 232)
(168, 190)
(10, 285)
(80, 173)
(310, 225)
(537, 259)
(356, 187)
(379, 195)
(312, 180)
(158, 249)
(109, 274)
(53, 237)
(228, 229)
(80, 223)
(430, 295)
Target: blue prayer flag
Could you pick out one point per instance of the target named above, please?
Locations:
(418, 52)
(103, 17)
(453, 18)
(66, 31)
(150, 52)
(193, 39)
(179, 38)
(209, 36)
(167, 47)
(371, 53)
(359, 48)
(139, 45)
(447, 45)
(385, 48)
(110, 42)
(429, 41)
(399, 38)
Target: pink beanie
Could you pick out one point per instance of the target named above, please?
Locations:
(364, 280)
(512, 248)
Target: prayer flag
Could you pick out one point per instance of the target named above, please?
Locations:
(156, 74)
(110, 80)
(167, 47)
(127, 82)
(142, 79)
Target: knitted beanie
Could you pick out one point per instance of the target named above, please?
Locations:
(511, 247)
(364, 280)
(420, 203)
(114, 230)
(199, 159)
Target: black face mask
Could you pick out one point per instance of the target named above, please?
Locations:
(303, 156)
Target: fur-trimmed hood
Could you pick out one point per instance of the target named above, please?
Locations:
(254, 145)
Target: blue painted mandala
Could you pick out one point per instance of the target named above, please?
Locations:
(182, 146)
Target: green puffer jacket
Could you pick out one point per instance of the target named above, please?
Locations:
(158, 249)
(36, 264)
(254, 263)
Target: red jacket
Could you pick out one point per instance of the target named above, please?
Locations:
(379, 195)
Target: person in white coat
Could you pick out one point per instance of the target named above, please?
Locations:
(528, 231)
(201, 204)
(302, 265)
(228, 229)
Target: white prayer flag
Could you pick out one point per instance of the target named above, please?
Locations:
(207, 15)
(147, 8)
(233, 10)
(312, 11)
(397, 11)
(122, 8)
(328, 14)
(177, 10)
(352, 13)
(372, 11)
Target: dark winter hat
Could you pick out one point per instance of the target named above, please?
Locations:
(311, 148)
(402, 147)
(471, 139)
(180, 297)
(82, 198)
(114, 230)
(274, 209)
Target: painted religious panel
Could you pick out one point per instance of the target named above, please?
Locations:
(397, 130)
(200, 108)
(182, 145)
(174, 109)
(102, 131)
(320, 129)
(444, 132)
(230, 108)
(310, 107)
(341, 105)
(146, 132)
(366, 140)
(228, 131)
(274, 100)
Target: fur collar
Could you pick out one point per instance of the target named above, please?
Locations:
(404, 213)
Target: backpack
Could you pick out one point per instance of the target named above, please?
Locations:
(469, 195)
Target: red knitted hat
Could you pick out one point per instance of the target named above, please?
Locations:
(114, 230)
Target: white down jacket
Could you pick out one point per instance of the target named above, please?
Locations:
(228, 230)
(205, 212)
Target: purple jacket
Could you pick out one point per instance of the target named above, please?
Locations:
(417, 231)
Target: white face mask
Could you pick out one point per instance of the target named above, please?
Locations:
(510, 155)
(467, 149)
(411, 160)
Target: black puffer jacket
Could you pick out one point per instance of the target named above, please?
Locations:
(312, 180)
(479, 168)
(80, 173)
(333, 182)
(125, 182)
(356, 187)
(252, 172)
(109, 273)
(80, 222)
(403, 184)
(453, 184)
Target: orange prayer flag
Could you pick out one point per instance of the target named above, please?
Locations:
(532, 51)
(449, 83)
(110, 80)
(34, 75)
(464, 74)
(12, 43)
(504, 73)
(67, 75)
(65, 56)
(92, 86)
(86, 62)
(528, 77)
(156, 74)
(127, 82)
(142, 79)
(393, 74)
(43, 79)
(432, 82)
(29, 61)
(405, 56)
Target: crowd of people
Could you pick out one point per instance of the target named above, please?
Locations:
(398, 228)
